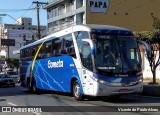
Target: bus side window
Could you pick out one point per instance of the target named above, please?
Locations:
(69, 46)
(62, 50)
(41, 52)
(48, 49)
(56, 46)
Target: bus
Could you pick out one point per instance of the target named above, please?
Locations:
(85, 60)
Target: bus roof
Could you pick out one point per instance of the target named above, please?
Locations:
(88, 27)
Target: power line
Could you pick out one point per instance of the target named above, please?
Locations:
(27, 10)
(15, 10)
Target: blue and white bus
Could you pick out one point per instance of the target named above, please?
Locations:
(94, 60)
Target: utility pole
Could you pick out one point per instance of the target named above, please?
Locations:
(38, 21)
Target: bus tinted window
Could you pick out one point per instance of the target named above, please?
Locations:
(63, 46)
(48, 49)
(57, 46)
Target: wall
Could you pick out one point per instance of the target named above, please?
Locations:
(146, 68)
(139, 14)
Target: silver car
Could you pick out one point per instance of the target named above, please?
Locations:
(13, 75)
(6, 80)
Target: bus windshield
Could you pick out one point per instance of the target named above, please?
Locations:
(117, 54)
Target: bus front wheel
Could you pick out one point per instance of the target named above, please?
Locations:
(76, 91)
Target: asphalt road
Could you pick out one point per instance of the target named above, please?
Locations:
(63, 103)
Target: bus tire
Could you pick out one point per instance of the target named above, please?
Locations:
(76, 91)
(34, 88)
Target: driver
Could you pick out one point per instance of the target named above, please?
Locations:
(108, 55)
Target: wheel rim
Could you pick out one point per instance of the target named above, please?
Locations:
(34, 87)
(77, 90)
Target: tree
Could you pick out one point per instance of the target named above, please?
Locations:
(153, 39)
(154, 42)
(156, 23)
(154, 59)
(13, 62)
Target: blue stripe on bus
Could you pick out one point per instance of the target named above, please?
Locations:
(52, 75)
(112, 79)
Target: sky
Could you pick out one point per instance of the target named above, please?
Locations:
(14, 9)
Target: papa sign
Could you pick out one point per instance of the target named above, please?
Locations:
(98, 6)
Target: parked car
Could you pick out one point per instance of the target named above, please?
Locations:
(14, 75)
(9, 68)
(6, 80)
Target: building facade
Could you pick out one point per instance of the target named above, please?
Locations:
(23, 32)
(65, 13)
(136, 15)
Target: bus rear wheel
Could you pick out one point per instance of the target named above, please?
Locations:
(76, 91)
(34, 88)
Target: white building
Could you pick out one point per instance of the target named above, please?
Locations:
(146, 68)
(23, 32)
(64, 13)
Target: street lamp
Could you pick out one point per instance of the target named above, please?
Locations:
(10, 17)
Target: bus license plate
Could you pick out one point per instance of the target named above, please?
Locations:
(123, 90)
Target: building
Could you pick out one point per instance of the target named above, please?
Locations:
(132, 14)
(23, 32)
(136, 15)
(64, 13)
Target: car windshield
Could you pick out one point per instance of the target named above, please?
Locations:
(117, 54)
(4, 76)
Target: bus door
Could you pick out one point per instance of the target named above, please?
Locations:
(87, 68)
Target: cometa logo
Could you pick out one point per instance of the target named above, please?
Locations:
(55, 64)
(98, 5)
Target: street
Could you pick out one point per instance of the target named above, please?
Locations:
(66, 104)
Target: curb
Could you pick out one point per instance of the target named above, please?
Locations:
(151, 90)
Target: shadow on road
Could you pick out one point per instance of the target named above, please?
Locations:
(12, 91)
(127, 99)
(124, 99)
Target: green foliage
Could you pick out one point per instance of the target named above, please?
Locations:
(153, 39)
(145, 35)
(15, 62)
(12, 61)
(156, 23)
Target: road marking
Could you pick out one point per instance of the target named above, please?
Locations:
(17, 105)
(12, 104)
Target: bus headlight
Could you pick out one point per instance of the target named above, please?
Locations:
(100, 81)
(141, 80)
(103, 82)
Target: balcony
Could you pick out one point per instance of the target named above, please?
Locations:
(52, 3)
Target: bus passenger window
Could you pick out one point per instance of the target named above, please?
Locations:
(48, 49)
(69, 46)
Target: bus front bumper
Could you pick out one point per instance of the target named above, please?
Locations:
(103, 90)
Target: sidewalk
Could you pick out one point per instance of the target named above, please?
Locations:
(151, 90)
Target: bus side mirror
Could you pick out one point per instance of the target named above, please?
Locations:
(91, 45)
(148, 48)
